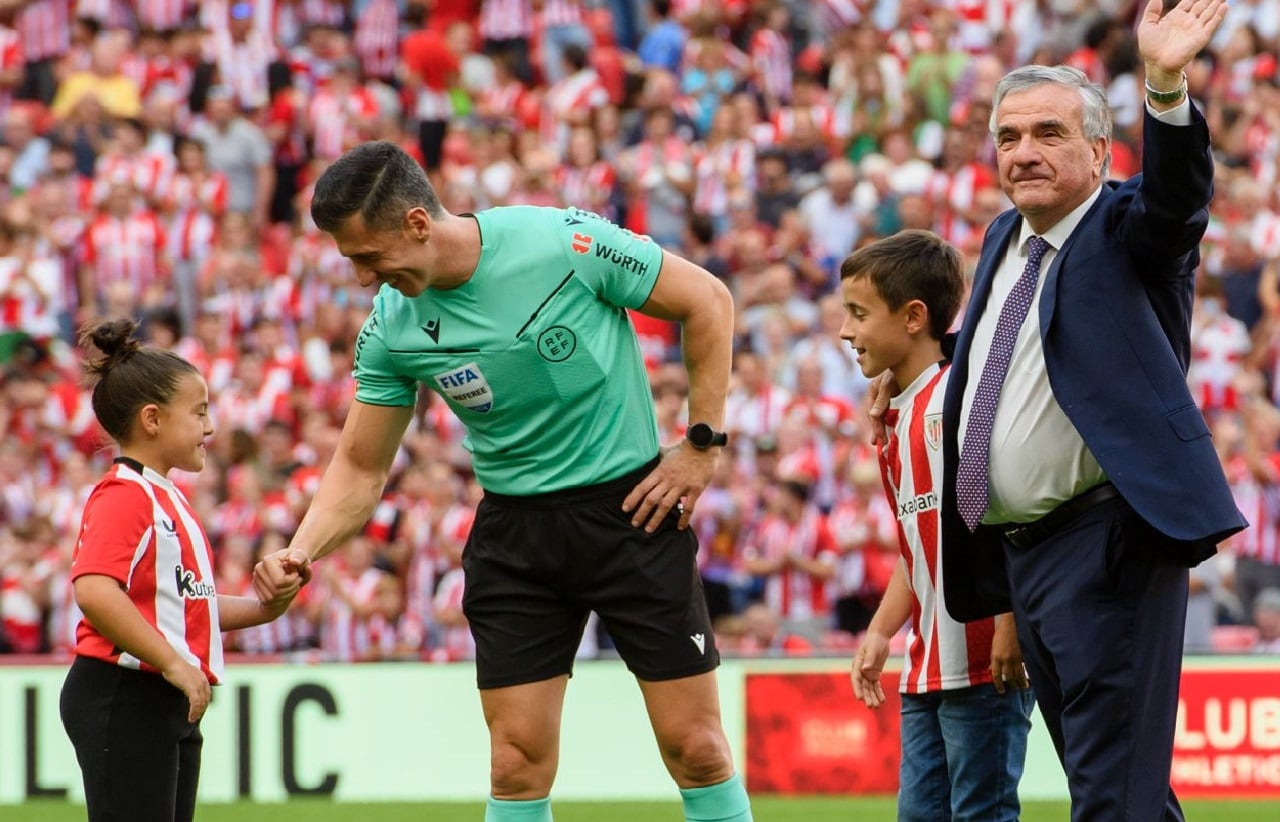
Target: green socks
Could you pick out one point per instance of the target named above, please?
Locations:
(726, 802)
(532, 810)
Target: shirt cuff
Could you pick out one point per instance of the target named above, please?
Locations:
(1179, 115)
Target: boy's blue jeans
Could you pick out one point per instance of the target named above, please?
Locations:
(962, 754)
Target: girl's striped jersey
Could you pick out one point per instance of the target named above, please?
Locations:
(139, 529)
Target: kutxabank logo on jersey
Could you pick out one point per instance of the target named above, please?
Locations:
(467, 386)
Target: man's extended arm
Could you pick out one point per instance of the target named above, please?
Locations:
(348, 493)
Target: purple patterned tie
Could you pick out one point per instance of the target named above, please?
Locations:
(972, 473)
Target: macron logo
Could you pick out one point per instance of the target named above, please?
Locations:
(701, 641)
(433, 329)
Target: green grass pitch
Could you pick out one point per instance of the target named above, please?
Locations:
(765, 809)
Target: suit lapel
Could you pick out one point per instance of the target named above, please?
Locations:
(1049, 297)
(983, 277)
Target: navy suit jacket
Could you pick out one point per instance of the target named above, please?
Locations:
(1115, 318)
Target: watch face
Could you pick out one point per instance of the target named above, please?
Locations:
(700, 435)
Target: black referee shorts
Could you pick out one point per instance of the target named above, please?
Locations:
(139, 756)
(535, 566)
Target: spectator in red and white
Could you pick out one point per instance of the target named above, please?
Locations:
(389, 632)
(755, 406)
(428, 71)
(250, 400)
(841, 376)
(337, 108)
(1253, 141)
(770, 53)
(1255, 483)
(571, 100)
(955, 186)
(792, 550)
(25, 572)
(535, 183)
(1219, 345)
(44, 28)
(865, 530)
(207, 346)
(127, 157)
(793, 244)
(240, 150)
(453, 640)
(195, 201)
(506, 28)
(31, 287)
(724, 163)
(242, 51)
(585, 180)
(830, 423)
(123, 244)
(349, 587)
(559, 25)
(657, 175)
(11, 57)
(377, 39)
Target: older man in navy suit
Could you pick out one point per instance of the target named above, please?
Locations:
(1080, 479)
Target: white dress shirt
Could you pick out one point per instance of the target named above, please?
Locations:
(1038, 460)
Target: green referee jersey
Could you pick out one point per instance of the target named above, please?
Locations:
(535, 353)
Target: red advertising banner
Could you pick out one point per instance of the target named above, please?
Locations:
(807, 734)
(1227, 741)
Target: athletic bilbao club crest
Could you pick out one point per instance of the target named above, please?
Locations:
(933, 431)
(581, 243)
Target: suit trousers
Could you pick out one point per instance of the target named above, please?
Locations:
(1101, 609)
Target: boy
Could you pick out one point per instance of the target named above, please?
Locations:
(965, 702)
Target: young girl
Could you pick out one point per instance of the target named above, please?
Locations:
(149, 646)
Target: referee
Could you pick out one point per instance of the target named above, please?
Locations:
(517, 318)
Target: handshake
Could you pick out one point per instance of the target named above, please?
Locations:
(279, 576)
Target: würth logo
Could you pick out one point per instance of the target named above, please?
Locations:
(582, 243)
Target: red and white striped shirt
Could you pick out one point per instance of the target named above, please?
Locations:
(588, 188)
(161, 15)
(139, 529)
(793, 593)
(716, 169)
(942, 654)
(128, 248)
(506, 19)
(45, 26)
(377, 40)
(151, 173)
(770, 53)
(1260, 504)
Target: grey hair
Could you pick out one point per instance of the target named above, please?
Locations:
(1095, 111)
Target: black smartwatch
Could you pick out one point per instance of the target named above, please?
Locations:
(703, 436)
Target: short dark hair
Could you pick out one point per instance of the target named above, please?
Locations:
(912, 265)
(377, 180)
(128, 376)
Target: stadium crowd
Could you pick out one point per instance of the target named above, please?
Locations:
(156, 158)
